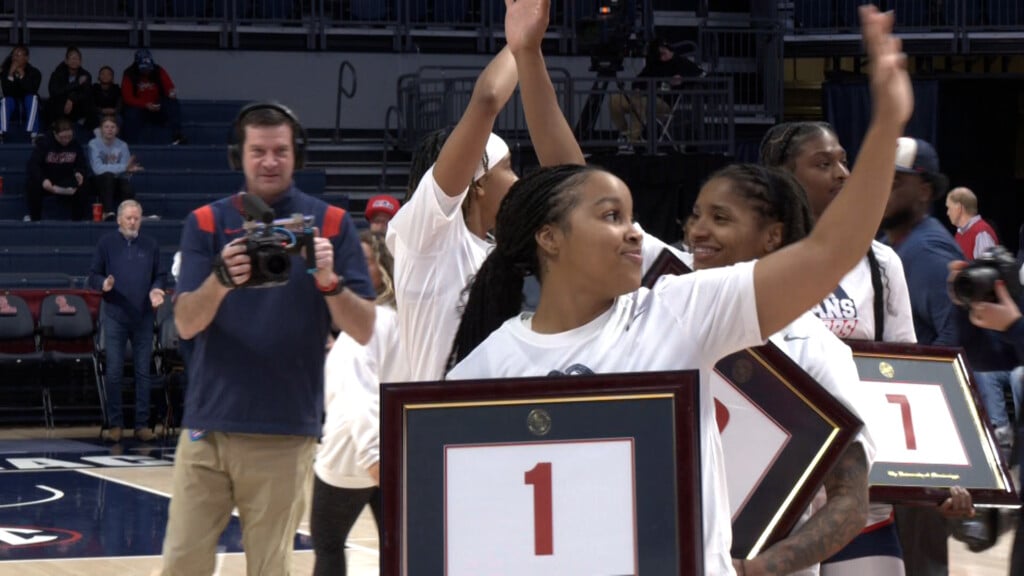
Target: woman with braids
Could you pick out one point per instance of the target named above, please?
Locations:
(759, 214)
(572, 226)
(346, 468)
(441, 234)
(871, 302)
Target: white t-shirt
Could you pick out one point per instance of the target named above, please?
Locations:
(805, 356)
(850, 310)
(683, 323)
(830, 362)
(436, 256)
(352, 377)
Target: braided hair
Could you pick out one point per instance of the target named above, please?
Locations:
(425, 156)
(545, 196)
(782, 141)
(774, 194)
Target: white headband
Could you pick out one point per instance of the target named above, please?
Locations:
(495, 152)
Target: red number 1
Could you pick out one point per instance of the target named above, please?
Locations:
(908, 419)
(543, 531)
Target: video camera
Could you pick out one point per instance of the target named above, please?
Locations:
(977, 282)
(270, 244)
(608, 36)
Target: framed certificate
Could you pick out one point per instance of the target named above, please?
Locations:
(801, 432)
(542, 476)
(929, 428)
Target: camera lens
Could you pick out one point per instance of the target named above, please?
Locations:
(975, 285)
(277, 265)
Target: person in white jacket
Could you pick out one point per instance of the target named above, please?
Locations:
(346, 468)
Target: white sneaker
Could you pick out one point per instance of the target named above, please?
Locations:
(26, 218)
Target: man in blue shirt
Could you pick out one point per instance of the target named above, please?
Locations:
(126, 268)
(254, 403)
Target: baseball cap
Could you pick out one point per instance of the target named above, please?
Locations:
(915, 156)
(381, 204)
(144, 59)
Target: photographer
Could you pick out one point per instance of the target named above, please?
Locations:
(1002, 316)
(661, 62)
(254, 403)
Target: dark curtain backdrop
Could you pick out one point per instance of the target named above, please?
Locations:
(974, 124)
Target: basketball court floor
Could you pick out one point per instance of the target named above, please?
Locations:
(72, 506)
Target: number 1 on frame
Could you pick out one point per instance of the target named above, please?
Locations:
(543, 530)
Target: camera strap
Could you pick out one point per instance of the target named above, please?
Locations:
(220, 270)
(879, 299)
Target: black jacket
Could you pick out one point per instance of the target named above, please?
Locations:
(64, 87)
(56, 163)
(20, 87)
(106, 98)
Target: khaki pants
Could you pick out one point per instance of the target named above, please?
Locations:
(635, 105)
(266, 476)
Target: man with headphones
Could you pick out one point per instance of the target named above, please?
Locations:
(254, 403)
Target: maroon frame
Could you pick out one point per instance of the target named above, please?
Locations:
(969, 400)
(397, 399)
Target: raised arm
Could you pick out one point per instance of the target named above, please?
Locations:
(464, 148)
(793, 279)
(553, 139)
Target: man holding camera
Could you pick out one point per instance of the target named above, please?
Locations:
(254, 403)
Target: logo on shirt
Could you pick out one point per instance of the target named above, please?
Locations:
(839, 313)
(574, 370)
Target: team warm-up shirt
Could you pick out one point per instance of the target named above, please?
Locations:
(830, 362)
(352, 378)
(436, 256)
(849, 311)
(683, 323)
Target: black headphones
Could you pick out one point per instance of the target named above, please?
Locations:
(238, 133)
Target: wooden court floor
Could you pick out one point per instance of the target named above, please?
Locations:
(155, 482)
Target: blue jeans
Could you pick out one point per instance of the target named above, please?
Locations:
(116, 336)
(991, 386)
(29, 112)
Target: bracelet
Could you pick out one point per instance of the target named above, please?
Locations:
(332, 289)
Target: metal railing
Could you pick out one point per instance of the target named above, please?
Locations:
(696, 115)
(922, 16)
(344, 91)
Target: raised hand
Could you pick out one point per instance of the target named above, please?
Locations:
(526, 21)
(891, 92)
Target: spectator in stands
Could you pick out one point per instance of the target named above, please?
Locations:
(20, 82)
(148, 96)
(106, 95)
(71, 91)
(662, 64)
(380, 210)
(973, 234)
(58, 166)
(255, 394)
(126, 268)
(112, 167)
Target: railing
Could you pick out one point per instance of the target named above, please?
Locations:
(754, 58)
(696, 115)
(343, 92)
(922, 16)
